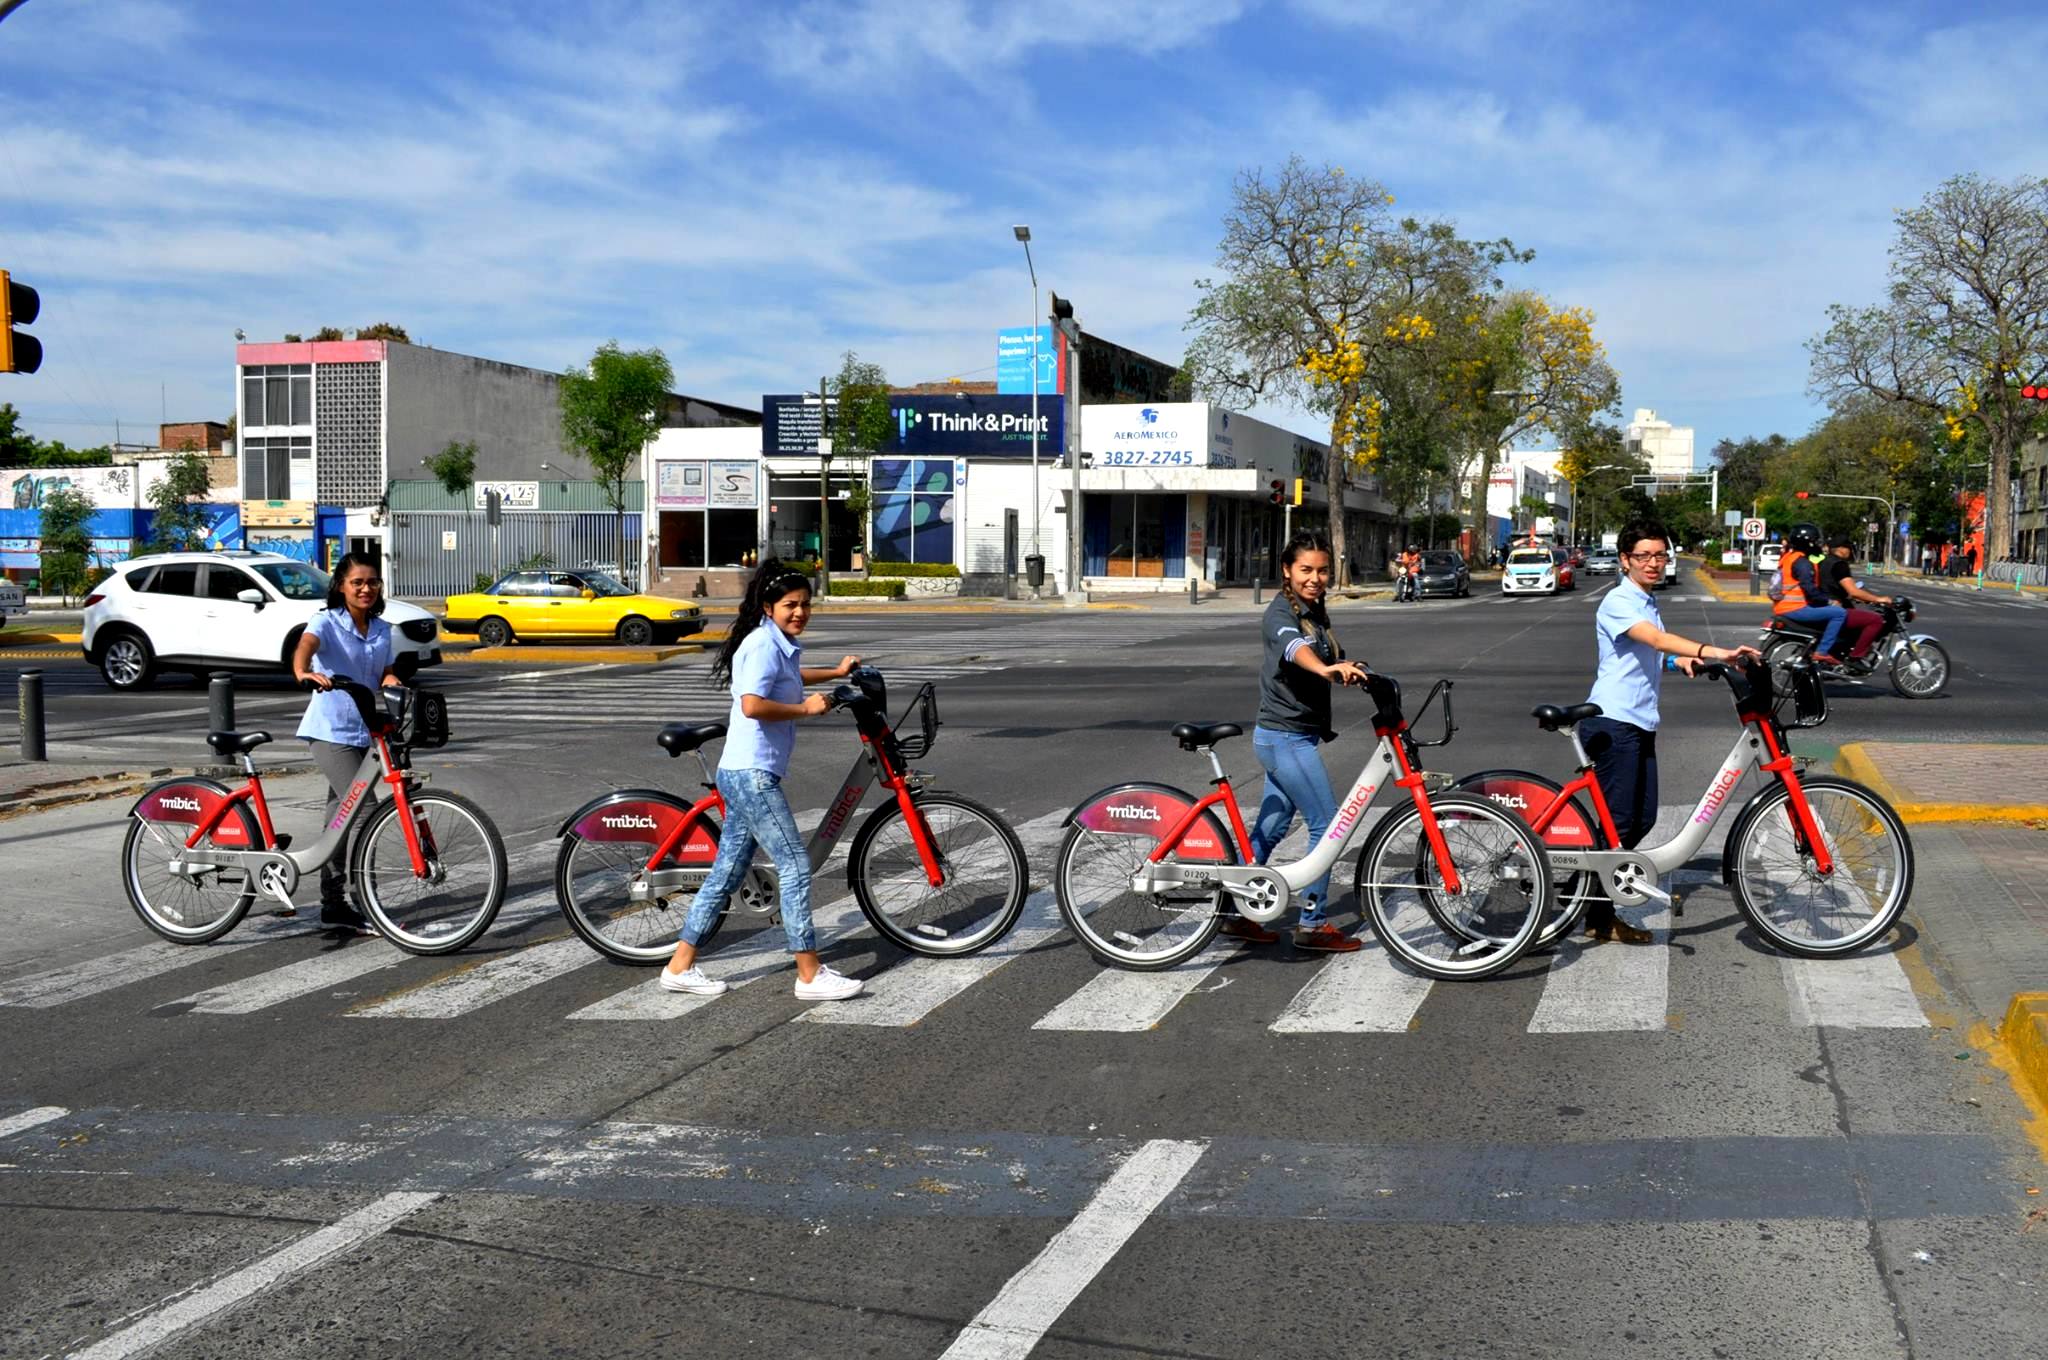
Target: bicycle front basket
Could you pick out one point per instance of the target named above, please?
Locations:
(427, 728)
(1809, 696)
(925, 706)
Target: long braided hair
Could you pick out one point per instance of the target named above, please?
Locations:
(773, 580)
(1312, 616)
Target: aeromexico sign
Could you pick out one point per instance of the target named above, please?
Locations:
(977, 425)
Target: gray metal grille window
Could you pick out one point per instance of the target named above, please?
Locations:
(349, 405)
(277, 394)
(267, 466)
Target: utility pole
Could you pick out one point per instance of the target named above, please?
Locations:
(824, 496)
(1063, 317)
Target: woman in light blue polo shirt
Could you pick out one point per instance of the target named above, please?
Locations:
(764, 664)
(350, 639)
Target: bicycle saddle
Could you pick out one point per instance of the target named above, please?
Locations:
(1194, 735)
(1550, 717)
(236, 743)
(677, 738)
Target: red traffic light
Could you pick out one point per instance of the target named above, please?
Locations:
(1279, 496)
(1801, 495)
(2035, 393)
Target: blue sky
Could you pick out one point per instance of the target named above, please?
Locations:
(756, 187)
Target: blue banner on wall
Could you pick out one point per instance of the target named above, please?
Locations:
(974, 426)
(1013, 361)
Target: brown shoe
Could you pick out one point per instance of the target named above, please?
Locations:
(1251, 932)
(1325, 940)
(1618, 930)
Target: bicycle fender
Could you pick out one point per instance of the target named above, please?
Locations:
(190, 799)
(615, 798)
(1140, 807)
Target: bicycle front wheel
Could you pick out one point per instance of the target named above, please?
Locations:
(455, 900)
(1782, 892)
(980, 861)
(192, 906)
(1503, 896)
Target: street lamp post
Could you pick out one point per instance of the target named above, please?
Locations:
(1023, 234)
(1573, 517)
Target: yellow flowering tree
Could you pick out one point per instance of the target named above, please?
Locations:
(1320, 283)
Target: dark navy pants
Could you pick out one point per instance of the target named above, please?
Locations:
(1625, 763)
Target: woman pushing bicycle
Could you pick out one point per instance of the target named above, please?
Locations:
(1302, 662)
(763, 663)
(348, 639)
(1631, 640)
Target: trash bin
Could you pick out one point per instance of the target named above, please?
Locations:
(1034, 570)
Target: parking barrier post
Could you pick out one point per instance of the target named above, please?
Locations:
(220, 702)
(29, 696)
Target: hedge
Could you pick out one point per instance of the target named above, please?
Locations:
(890, 590)
(912, 569)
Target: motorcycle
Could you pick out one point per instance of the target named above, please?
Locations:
(1916, 662)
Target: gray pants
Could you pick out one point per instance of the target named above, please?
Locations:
(339, 763)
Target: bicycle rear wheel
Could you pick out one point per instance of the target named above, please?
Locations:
(593, 887)
(1796, 907)
(464, 884)
(1502, 901)
(202, 904)
(980, 858)
(1112, 837)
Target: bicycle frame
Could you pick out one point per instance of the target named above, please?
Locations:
(280, 871)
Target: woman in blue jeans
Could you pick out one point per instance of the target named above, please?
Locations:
(763, 663)
(1302, 662)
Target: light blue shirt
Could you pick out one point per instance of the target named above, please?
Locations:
(769, 663)
(361, 657)
(1625, 686)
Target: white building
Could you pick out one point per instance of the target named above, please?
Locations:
(1668, 447)
(1522, 474)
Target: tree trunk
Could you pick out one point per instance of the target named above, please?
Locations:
(1998, 497)
(1334, 479)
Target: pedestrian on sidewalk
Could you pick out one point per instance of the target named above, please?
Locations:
(1630, 642)
(348, 639)
(762, 662)
(1302, 661)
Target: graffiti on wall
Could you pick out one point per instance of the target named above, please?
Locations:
(297, 547)
(109, 488)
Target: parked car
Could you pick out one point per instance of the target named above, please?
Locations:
(582, 602)
(13, 603)
(1443, 573)
(1534, 571)
(236, 611)
(1603, 562)
(1767, 556)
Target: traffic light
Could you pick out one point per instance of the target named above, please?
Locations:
(1279, 496)
(19, 304)
(1298, 485)
(1801, 495)
(2035, 393)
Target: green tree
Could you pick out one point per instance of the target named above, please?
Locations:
(1598, 464)
(384, 330)
(17, 446)
(454, 467)
(330, 333)
(1320, 281)
(1963, 327)
(611, 409)
(1744, 465)
(178, 500)
(859, 424)
(66, 541)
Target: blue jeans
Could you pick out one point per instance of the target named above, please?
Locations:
(756, 813)
(1828, 617)
(1295, 782)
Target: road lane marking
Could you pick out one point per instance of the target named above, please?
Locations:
(28, 1119)
(1608, 987)
(1120, 1001)
(1014, 1321)
(178, 1314)
(1361, 993)
(79, 980)
(765, 951)
(475, 986)
(1862, 991)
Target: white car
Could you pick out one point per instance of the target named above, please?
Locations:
(13, 604)
(1534, 571)
(202, 612)
(1768, 555)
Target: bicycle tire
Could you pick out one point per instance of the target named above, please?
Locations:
(431, 921)
(1091, 882)
(1924, 679)
(1516, 890)
(987, 876)
(1871, 883)
(162, 916)
(653, 937)
(1575, 888)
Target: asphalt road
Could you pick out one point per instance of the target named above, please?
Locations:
(283, 1144)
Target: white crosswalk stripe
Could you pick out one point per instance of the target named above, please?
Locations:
(1863, 991)
(1361, 993)
(1120, 1001)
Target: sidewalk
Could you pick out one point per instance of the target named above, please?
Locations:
(1910, 581)
(1953, 781)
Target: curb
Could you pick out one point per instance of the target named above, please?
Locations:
(2025, 1036)
(521, 654)
(1725, 595)
(117, 783)
(8, 640)
(1852, 762)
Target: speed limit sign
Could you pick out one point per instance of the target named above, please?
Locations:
(1753, 530)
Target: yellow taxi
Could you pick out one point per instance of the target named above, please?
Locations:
(578, 602)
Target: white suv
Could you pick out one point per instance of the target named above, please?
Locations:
(203, 612)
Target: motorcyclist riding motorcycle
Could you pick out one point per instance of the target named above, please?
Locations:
(1797, 596)
(1861, 626)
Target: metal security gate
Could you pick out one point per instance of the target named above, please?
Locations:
(436, 554)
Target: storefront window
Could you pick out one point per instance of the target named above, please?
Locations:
(1135, 535)
(707, 538)
(913, 509)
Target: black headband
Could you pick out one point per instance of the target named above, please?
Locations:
(786, 578)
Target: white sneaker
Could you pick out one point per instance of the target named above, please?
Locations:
(692, 981)
(828, 986)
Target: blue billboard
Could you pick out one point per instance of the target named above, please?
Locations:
(974, 425)
(1013, 360)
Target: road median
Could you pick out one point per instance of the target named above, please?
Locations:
(1951, 781)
